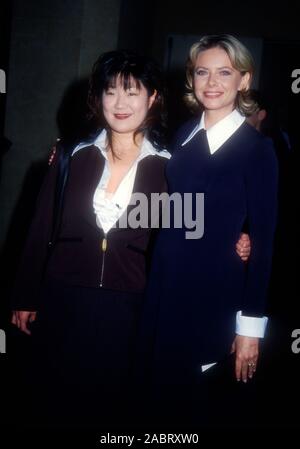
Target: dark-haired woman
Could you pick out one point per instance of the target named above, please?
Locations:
(89, 295)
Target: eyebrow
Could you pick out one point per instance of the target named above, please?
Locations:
(219, 68)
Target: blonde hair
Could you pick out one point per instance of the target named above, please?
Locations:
(240, 59)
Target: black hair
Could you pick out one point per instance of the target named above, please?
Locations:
(128, 66)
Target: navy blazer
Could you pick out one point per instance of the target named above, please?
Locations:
(196, 287)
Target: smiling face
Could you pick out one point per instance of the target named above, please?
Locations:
(125, 109)
(216, 82)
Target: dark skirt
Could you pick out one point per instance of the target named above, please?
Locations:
(85, 347)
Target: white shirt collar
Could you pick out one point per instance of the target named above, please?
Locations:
(147, 149)
(220, 132)
(109, 209)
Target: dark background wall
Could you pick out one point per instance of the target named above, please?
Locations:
(47, 49)
(52, 45)
(5, 24)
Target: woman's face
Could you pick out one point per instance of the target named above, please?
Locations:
(216, 81)
(125, 110)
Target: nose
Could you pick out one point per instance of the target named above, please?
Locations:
(212, 79)
(120, 100)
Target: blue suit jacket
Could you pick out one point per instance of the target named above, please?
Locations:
(197, 286)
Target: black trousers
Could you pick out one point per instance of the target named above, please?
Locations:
(84, 350)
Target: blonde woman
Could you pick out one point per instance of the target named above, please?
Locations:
(203, 303)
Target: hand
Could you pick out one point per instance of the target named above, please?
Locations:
(243, 247)
(21, 318)
(53, 152)
(246, 349)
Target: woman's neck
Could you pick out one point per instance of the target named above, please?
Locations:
(212, 117)
(125, 147)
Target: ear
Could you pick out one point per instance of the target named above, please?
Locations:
(152, 98)
(245, 82)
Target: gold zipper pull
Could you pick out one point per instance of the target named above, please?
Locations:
(104, 244)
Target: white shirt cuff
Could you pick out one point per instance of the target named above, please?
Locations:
(250, 326)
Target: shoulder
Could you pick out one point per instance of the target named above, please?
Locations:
(184, 130)
(87, 155)
(259, 148)
(182, 133)
(88, 143)
(187, 127)
(155, 154)
(155, 162)
(253, 137)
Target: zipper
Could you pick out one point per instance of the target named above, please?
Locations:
(103, 249)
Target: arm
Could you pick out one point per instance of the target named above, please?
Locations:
(261, 190)
(21, 318)
(243, 247)
(261, 195)
(31, 268)
(53, 152)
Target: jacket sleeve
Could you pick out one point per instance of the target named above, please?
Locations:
(261, 195)
(28, 280)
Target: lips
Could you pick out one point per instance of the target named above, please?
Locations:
(122, 116)
(213, 94)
